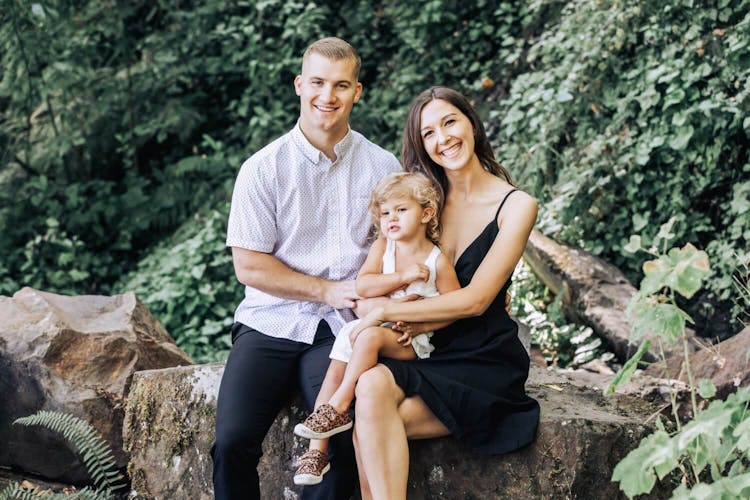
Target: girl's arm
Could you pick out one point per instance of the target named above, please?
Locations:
(516, 221)
(371, 282)
(445, 281)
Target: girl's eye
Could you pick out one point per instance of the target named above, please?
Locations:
(450, 121)
(427, 134)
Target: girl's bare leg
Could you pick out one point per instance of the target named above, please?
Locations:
(332, 380)
(372, 342)
(384, 420)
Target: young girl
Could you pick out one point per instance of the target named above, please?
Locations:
(404, 260)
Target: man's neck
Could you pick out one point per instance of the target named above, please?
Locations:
(324, 140)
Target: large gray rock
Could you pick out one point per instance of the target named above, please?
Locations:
(169, 431)
(76, 355)
(725, 364)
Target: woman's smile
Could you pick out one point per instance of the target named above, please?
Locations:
(447, 134)
(451, 151)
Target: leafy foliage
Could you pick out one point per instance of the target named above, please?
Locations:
(120, 121)
(184, 282)
(95, 452)
(714, 444)
(562, 344)
(634, 113)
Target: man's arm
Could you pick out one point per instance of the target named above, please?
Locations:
(268, 274)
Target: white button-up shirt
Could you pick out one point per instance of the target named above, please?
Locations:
(291, 201)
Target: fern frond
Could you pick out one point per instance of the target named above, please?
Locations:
(89, 494)
(97, 456)
(15, 491)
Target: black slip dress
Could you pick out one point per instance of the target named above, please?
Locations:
(474, 380)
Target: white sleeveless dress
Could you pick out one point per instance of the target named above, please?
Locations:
(342, 347)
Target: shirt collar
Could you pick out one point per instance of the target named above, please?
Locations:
(314, 154)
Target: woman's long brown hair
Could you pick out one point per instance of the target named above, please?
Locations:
(414, 157)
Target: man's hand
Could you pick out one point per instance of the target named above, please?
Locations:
(415, 272)
(341, 294)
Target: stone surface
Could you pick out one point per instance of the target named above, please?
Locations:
(593, 291)
(169, 430)
(76, 355)
(725, 363)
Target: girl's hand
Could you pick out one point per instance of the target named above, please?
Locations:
(411, 329)
(415, 272)
(408, 331)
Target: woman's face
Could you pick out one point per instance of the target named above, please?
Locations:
(447, 135)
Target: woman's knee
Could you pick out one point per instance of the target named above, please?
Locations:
(374, 383)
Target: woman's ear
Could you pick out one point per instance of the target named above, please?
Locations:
(427, 214)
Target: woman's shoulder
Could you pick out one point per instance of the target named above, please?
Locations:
(517, 203)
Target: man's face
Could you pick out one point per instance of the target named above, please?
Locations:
(328, 90)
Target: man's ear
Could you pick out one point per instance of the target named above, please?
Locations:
(427, 214)
(297, 84)
(358, 92)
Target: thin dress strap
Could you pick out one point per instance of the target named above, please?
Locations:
(503, 202)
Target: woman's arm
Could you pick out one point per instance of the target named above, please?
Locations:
(371, 282)
(516, 221)
(445, 281)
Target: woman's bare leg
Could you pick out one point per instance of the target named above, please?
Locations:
(372, 342)
(364, 486)
(382, 448)
(334, 375)
(384, 420)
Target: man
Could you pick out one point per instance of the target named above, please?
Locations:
(298, 228)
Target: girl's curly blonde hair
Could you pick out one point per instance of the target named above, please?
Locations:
(414, 185)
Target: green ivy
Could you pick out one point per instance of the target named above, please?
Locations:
(119, 121)
(634, 113)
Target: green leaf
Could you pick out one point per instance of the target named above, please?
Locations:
(639, 222)
(681, 138)
(623, 376)
(690, 270)
(636, 472)
(564, 96)
(665, 230)
(742, 433)
(655, 275)
(706, 388)
(634, 244)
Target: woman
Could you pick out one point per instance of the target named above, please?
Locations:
(472, 386)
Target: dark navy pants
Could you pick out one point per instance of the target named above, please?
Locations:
(260, 377)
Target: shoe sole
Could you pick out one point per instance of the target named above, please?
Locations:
(310, 479)
(302, 431)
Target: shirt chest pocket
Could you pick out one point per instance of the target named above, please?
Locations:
(359, 221)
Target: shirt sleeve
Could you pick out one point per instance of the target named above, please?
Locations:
(252, 217)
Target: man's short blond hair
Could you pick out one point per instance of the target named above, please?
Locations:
(335, 49)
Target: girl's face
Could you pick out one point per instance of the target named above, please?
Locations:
(447, 135)
(403, 218)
